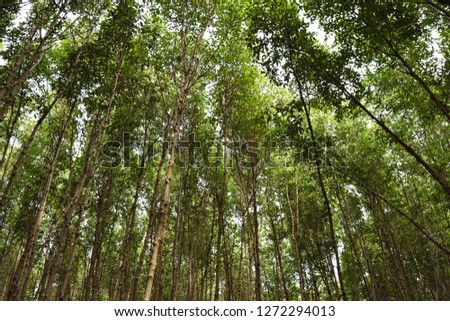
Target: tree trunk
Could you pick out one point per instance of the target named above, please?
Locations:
(279, 257)
(91, 281)
(26, 262)
(26, 146)
(165, 198)
(295, 236)
(130, 221)
(12, 87)
(432, 171)
(153, 203)
(256, 237)
(178, 241)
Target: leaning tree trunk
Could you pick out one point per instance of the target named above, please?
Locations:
(13, 86)
(26, 263)
(151, 214)
(166, 195)
(45, 113)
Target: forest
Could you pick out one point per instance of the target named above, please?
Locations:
(224, 150)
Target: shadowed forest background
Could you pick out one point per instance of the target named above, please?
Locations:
(321, 167)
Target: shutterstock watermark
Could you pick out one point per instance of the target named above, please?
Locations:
(211, 153)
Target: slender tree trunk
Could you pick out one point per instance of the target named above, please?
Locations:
(26, 262)
(153, 203)
(159, 278)
(130, 221)
(295, 235)
(96, 132)
(64, 232)
(64, 291)
(190, 287)
(165, 199)
(441, 246)
(318, 165)
(12, 87)
(204, 282)
(91, 280)
(12, 122)
(177, 241)
(26, 146)
(353, 245)
(15, 68)
(444, 108)
(250, 256)
(228, 265)
(65, 287)
(432, 171)
(279, 257)
(220, 199)
(409, 295)
(256, 237)
(218, 248)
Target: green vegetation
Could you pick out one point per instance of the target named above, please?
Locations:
(273, 150)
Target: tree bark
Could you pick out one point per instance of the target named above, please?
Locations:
(153, 203)
(130, 221)
(26, 262)
(279, 257)
(166, 196)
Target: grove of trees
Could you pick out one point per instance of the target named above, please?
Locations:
(203, 150)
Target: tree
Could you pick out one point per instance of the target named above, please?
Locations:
(224, 151)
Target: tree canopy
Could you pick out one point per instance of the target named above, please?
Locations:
(250, 150)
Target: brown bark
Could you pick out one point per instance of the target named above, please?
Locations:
(256, 237)
(190, 287)
(295, 236)
(240, 294)
(26, 263)
(318, 165)
(246, 201)
(178, 240)
(166, 195)
(92, 278)
(220, 199)
(250, 256)
(151, 213)
(218, 247)
(395, 253)
(206, 271)
(189, 68)
(278, 257)
(96, 133)
(64, 290)
(123, 289)
(12, 122)
(9, 76)
(68, 213)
